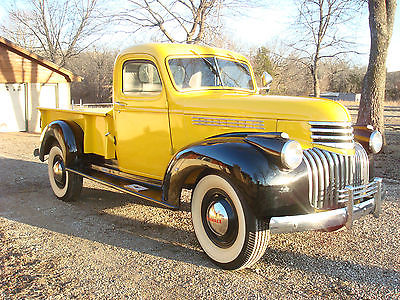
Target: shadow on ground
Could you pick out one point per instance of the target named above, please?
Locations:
(25, 196)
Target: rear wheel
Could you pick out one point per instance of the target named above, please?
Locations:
(65, 185)
(226, 229)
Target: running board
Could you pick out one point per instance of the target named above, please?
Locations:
(126, 186)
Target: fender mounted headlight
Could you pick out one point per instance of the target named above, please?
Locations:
(375, 141)
(291, 155)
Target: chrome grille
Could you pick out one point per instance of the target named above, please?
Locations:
(332, 134)
(329, 173)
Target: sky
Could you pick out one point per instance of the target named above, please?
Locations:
(265, 26)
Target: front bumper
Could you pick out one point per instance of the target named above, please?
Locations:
(337, 217)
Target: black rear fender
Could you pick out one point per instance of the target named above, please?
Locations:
(67, 134)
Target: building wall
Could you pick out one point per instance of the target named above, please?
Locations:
(46, 95)
(12, 107)
(27, 82)
(15, 68)
(19, 102)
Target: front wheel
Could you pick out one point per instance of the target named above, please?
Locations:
(225, 227)
(65, 185)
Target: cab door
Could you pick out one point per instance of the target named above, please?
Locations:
(143, 143)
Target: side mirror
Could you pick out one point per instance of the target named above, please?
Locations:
(266, 80)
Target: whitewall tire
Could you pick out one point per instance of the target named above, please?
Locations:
(65, 185)
(225, 227)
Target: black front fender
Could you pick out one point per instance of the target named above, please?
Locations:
(268, 189)
(67, 134)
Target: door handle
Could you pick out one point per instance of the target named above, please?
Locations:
(121, 103)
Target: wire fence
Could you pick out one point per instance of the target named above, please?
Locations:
(391, 115)
(90, 105)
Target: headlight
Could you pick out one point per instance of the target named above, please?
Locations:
(375, 141)
(291, 155)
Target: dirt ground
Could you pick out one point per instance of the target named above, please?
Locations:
(111, 245)
(388, 163)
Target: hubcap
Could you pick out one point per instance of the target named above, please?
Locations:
(58, 171)
(217, 218)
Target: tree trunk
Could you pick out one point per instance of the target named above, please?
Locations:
(381, 19)
(317, 91)
(314, 72)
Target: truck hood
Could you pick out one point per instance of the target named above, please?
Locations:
(268, 107)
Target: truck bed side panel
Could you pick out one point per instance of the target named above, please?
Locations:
(97, 126)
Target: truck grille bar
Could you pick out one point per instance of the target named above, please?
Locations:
(329, 173)
(332, 134)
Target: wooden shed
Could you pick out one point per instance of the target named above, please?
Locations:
(26, 82)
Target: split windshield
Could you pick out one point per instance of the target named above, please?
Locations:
(210, 72)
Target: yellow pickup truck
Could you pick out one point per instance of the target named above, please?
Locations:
(192, 117)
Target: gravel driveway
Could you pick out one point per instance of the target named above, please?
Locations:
(108, 244)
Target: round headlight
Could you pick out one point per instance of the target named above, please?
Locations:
(375, 141)
(291, 155)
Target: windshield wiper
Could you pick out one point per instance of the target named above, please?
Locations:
(211, 67)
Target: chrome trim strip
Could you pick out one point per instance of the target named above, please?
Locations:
(331, 188)
(332, 137)
(314, 168)
(346, 146)
(359, 192)
(349, 208)
(327, 123)
(234, 123)
(364, 172)
(331, 218)
(320, 175)
(346, 170)
(310, 177)
(332, 130)
(336, 176)
(325, 170)
(342, 172)
(352, 169)
(378, 198)
(359, 196)
(358, 166)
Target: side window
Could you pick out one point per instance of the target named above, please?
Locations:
(140, 77)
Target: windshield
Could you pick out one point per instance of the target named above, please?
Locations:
(210, 72)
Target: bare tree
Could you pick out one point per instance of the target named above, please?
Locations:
(318, 33)
(393, 86)
(96, 68)
(290, 76)
(188, 21)
(381, 20)
(56, 29)
(342, 76)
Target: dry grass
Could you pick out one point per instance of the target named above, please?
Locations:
(352, 103)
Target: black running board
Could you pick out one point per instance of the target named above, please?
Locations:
(126, 186)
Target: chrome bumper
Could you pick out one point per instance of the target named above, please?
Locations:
(335, 218)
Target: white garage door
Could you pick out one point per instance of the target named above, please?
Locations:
(47, 96)
(12, 107)
(43, 95)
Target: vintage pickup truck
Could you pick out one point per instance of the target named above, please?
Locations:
(192, 117)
